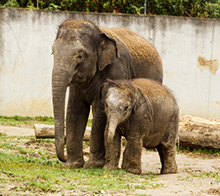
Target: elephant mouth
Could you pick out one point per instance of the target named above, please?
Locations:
(76, 78)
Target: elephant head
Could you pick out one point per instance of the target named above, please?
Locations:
(80, 50)
(120, 98)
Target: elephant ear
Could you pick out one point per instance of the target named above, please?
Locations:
(140, 99)
(105, 86)
(107, 51)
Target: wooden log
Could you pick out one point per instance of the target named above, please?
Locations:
(198, 132)
(44, 131)
(193, 132)
(47, 131)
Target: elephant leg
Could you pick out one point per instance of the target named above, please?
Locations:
(113, 152)
(132, 155)
(167, 148)
(77, 116)
(97, 147)
(168, 158)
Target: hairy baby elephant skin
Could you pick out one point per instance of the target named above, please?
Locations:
(147, 115)
(85, 55)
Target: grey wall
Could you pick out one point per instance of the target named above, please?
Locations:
(189, 48)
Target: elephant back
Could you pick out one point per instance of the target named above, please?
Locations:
(140, 48)
(153, 89)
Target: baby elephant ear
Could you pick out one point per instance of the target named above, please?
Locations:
(107, 51)
(139, 99)
(105, 87)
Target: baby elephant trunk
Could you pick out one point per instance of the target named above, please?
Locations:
(112, 125)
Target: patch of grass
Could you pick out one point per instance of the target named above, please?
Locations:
(29, 121)
(2, 134)
(156, 185)
(208, 174)
(35, 173)
(40, 140)
(139, 186)
(200, 150)
(183, 179)
(9, 146)
(89, 123)
(33, 170)
(149, 176)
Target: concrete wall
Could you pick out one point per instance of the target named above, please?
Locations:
(190, 51)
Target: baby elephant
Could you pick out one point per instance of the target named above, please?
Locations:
(146, 114)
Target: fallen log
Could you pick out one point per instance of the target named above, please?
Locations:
(44, 131)
(47, 131)
(193, 132)
(199, 132)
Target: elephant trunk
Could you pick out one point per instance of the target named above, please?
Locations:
(112, 126)
(59, 86)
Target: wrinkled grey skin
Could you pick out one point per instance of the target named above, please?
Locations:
(84, 57)
(147, 115)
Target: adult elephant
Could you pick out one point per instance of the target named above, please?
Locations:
(84, 56)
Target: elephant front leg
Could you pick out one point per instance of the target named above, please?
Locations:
(168, 158)
(132, 155)
(97, 148)
(77, 116)
(113, 151)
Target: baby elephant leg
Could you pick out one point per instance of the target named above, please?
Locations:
(112, 154)
(168, 158)
(132, 155)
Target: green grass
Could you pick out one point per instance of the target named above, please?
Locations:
(31, 173)
(29, 121)
(18, 120)
(200, 150)
(208, 174)
(36, 170)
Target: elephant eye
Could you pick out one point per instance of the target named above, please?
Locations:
(79, 56)
(125, 108)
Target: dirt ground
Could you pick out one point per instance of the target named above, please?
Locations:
(196, 175)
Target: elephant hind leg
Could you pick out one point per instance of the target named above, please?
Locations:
(168, 158)
(167, 148)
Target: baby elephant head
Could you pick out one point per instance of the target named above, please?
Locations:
(120, 98)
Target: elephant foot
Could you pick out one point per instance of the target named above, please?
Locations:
(75, 164)
(169, 170)
(94, 163)
(124, 165)
(134, 170)
(110, 166)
